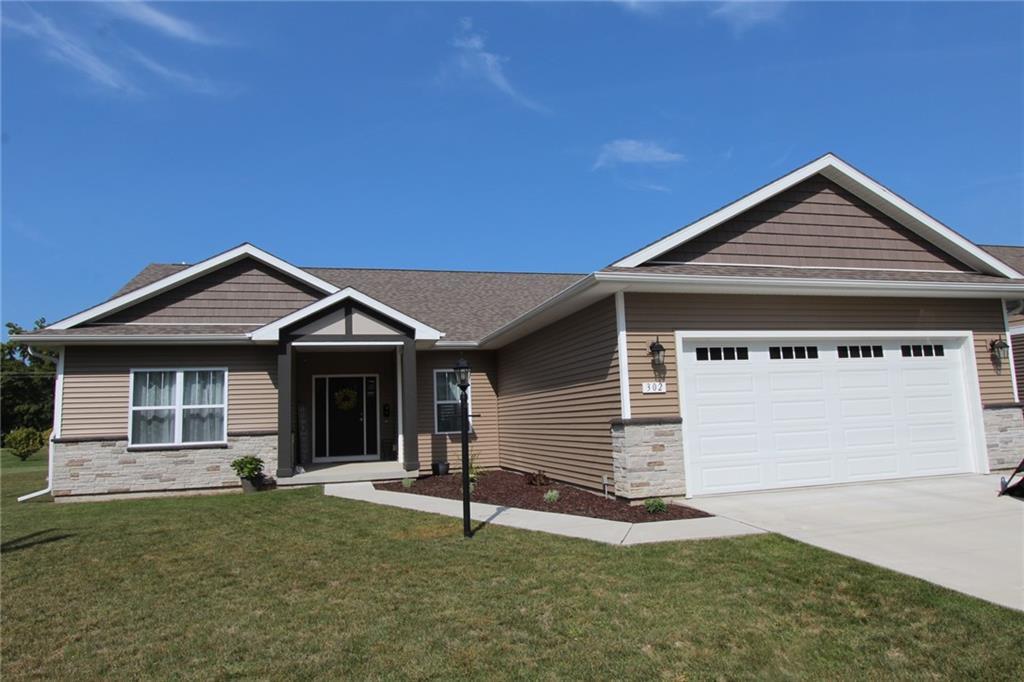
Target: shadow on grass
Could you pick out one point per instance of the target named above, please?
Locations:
(32, 539)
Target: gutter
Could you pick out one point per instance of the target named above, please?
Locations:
(58, 400)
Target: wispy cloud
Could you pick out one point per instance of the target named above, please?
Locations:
(743, 16)
(635, 152)
(196, 84)
(150, 17)
(647, 7)
(474, 61)
(70, 50)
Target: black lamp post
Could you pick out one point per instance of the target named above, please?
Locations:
(462, 379)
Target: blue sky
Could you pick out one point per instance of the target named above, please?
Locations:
(538, 137)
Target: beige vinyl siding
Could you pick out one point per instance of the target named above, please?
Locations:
(96, 381)
(483, 440)
(558, 392)
(651, 315)
(816, 223)
(244, 292)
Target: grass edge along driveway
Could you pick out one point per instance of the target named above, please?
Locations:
(294, 584)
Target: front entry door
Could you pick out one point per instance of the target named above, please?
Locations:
(345, 418)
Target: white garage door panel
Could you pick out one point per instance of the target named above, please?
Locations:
(773, 422)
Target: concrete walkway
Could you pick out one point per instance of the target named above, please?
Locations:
(952, 531)
(598, 530)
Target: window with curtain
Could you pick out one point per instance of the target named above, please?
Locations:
(447, 418)
(178, 406)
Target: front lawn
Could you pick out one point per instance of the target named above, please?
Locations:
(292, 584)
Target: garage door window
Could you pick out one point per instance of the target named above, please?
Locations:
(859, 351)
(793, 352)
(723, 353)
(923, 351)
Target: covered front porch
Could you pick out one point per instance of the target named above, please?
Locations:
(347, 389)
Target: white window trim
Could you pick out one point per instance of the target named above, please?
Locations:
(178, 407)
(469, 404)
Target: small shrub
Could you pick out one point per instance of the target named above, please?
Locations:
(24, 442)
(474, 469)
(538, 479)
(472, 487)
(551, 496)
(249, 467)
(407, 482)
(655, 505)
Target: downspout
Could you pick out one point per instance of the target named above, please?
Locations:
(58, 399)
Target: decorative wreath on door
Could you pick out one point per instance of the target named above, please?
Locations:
(346, 399)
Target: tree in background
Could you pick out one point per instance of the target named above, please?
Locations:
(26, 384)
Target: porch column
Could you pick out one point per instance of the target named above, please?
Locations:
(410, 460)
(285, 458)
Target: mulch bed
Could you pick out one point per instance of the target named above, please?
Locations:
(509, 489)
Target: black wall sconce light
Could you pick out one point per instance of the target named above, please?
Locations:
(657, 353)
(1000, 349)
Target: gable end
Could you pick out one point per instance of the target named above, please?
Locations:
(815, 223)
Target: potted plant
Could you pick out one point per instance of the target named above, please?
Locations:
(250, 470)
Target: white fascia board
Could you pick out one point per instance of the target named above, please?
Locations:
(192, 272)
(668, 283)
(861, 185)
(271, 332)
(128, 340)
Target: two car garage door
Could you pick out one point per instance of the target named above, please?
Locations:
(783, 412)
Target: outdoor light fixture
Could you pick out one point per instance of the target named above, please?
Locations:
(1000, 349)
(657, 353)
(462, 372)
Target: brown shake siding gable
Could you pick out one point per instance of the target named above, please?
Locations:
(816, 223)
(661, 315)
(558, 392)
(96, 380)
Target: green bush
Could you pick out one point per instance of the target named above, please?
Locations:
(24, 442)
(248, 467)
(551, 496)
(407, 482)
(655, 505)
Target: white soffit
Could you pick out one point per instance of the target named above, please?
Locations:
(851, 179)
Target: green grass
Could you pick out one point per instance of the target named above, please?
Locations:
(292, 584)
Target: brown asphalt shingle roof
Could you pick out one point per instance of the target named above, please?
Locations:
(464, 305)
(1011, 255)
(100, 329)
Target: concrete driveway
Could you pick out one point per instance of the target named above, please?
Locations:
(952, 531)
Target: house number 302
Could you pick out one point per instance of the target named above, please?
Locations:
(653, 387)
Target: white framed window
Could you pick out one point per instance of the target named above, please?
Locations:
(447, 417)
(178, 406)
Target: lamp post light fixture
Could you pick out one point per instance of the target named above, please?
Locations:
(462, 372)
(1000, 349)
(657, 353)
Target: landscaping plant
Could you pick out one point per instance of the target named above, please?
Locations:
(407, 483)
(24, 442)
(248, 468)
(655, 505)
(551, 496)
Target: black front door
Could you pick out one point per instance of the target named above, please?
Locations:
(345, 416)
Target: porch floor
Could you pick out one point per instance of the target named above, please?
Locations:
(348, 472)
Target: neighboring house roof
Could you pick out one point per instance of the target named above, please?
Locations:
(835, 169)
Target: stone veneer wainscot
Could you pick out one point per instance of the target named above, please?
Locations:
(647, 457)
(102, 467)
(1004, 435)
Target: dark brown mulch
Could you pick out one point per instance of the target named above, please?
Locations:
(509, 489)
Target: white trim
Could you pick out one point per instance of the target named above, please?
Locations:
(807, 286)
(271, 332)
(969, 368)
(400, 430)
(802, 267)
(1011, 360)
(58, 412)
(176, 324)
(837, 170)
(623, 350)
(333, 344)
(132, 340)
(1015, 331)
(469, 402)
(178, 407)
(192, 272)
(365, 457)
